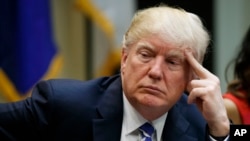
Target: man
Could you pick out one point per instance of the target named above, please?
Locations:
(161, 60)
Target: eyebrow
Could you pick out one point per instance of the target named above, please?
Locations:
(144, 45)
(176, 54)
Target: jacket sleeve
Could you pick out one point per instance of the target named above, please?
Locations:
(26, 119)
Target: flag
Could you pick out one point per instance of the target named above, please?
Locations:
(111, 19)
(28, 52)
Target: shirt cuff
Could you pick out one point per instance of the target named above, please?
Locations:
(213, 139)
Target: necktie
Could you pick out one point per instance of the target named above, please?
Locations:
(147, 131)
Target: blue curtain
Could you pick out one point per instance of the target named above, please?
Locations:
(27, 46)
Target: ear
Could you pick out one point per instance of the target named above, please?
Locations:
(124, 58)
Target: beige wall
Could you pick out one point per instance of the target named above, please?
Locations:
(69, 36)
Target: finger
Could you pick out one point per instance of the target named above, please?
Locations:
(197, 83)
(199, 70)
(194, 94)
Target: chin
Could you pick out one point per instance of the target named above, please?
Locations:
(151, 101)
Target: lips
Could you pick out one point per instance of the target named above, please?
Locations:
(152, 89)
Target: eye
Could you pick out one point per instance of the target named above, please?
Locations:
(145, 55)
(174, 63)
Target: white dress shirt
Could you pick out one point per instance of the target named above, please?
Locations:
(132, 120)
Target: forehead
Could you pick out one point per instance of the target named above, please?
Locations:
(160, 46)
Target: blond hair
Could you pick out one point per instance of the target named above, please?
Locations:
(175, 25)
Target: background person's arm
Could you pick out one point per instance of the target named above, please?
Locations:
(232, 111)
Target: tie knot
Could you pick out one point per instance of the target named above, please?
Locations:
(147, 130)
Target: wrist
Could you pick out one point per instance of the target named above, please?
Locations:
(220, 130)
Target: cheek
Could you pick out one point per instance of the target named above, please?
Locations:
(132, 72)
(177, 82)
(175, 87)
(132, 67)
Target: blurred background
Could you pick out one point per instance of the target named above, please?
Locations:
(81, 39)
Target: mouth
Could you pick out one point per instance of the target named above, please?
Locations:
(152, 90)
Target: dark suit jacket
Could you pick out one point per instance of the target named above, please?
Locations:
(88, 111)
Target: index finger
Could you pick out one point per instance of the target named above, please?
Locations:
(199, 70)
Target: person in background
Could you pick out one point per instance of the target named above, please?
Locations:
(162, 52)
(237, 96)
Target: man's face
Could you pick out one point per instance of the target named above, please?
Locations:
(154, 74)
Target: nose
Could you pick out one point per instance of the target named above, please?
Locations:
(156, 71)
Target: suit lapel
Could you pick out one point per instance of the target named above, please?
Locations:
(107, 130)
(109, 124)
(176, 127)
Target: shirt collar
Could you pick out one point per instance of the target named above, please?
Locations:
(132, 120)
